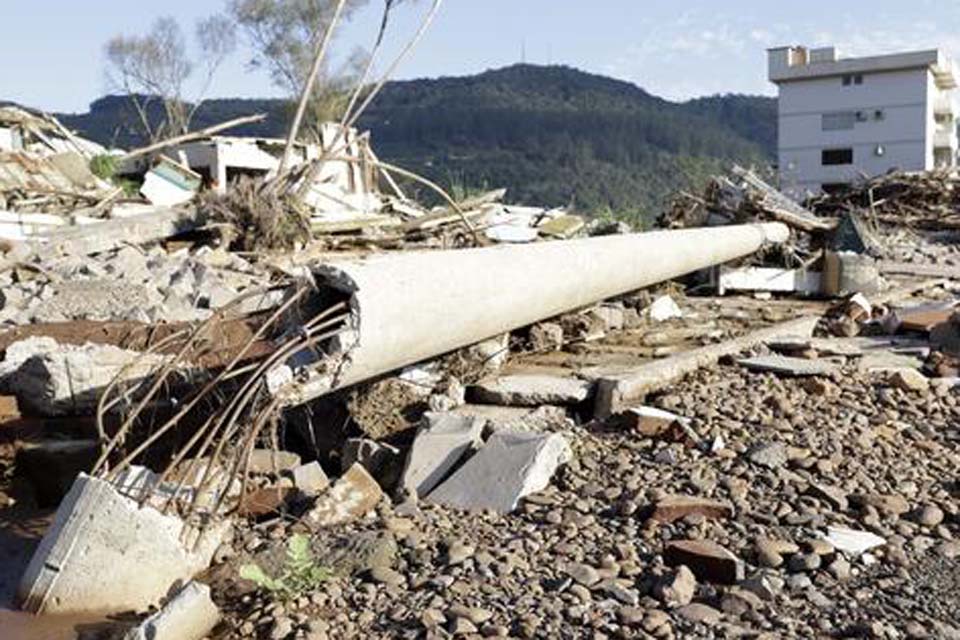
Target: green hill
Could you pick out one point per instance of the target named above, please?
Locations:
(551, 135)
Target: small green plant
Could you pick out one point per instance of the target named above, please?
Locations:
(104, 166)
(301, 573)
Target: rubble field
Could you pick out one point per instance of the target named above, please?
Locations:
(298, 406)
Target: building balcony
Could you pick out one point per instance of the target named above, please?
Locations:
(944, 107)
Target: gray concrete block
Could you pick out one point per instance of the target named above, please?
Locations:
(441, 442)
(509, 467)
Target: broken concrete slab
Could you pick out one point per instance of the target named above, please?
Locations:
(663, 308)
(441, 442)
(786, 365)
(383, 461)
(509, 467)
(885, 361)
(96, 527)
(352, 496)
(54, 379)
(708, 560)
(531, 390)
(544, 418)
(190, 615)
(673, 508)
(852, 541)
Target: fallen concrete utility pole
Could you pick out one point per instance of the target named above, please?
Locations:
(615, 394)
(410, 307)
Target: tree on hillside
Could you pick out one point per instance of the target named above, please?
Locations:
(156, 67)
(283, 35)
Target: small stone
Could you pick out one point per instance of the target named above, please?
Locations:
(432, 618)
(764, 586)
(804, 562)
(839, 569)
(583, 574)
(707, 560)
(907, 379)
(771, 455)
(678, 589)
(929, 516)
(700, 614)
(631, 616)
(458, 552)
(887, 504)
(674, 508)
(461, 627)
(387, 576)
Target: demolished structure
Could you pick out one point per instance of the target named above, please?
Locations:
(271, 395)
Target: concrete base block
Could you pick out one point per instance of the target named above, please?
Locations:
(190, 615)
(509, 467)
(104, 553)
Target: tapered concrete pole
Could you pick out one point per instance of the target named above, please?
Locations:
(410, 307)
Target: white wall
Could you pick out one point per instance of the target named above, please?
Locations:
(903, 132)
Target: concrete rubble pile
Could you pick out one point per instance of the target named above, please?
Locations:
(474, 419)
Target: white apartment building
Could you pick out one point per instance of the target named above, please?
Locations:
(843, 118)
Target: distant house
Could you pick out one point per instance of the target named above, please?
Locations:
(843, 118)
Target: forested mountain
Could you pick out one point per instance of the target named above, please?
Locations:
(551, 135)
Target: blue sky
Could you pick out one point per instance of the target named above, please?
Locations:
(52, 50)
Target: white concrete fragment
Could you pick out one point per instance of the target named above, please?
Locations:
(310, 478)
(50, 378)
(509, 467)
(441, 442)
(852, 541)
(353, 495)
(105, 553)
(664, 308)
(767, 279)
(531, 390)
(190, 615)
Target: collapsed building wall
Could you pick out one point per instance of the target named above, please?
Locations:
(409, 307)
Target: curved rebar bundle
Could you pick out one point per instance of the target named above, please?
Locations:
(232, 405)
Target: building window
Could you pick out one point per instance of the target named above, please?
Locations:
(838, 120)
(879, 115)
(847, 80)
(832, 157)
(858, 79)
(834, 187)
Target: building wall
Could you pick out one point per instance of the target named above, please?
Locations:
(903, 128)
